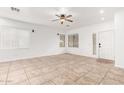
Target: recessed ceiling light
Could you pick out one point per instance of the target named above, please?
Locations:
(101, 11)
(102, 18)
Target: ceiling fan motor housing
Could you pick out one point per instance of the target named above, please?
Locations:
(62, 16)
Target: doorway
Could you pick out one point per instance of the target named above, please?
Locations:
(106, 45)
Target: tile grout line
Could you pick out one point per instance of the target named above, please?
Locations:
(48, 81)
(26, 75)
(104, 76)
(8, 73)
(82, 75)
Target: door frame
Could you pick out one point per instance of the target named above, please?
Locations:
(98, 50)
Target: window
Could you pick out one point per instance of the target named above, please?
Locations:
(12, 38)
(73, 40)
(70, 40)
(62, 40)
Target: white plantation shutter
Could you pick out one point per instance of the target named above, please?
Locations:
(73, 40)
(62, 40)
(70, 40)
(12, 38)
(24, 39)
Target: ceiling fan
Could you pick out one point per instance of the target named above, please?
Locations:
(62, 18)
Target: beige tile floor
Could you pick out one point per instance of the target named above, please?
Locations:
(64, 69)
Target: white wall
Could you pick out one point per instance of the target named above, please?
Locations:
(119, 39)
(85, 38)
(44, 41)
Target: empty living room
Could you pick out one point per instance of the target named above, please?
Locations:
(61, 46)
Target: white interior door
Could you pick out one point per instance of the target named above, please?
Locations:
(106, 45)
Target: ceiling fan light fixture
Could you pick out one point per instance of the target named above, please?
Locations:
(63, 17)
(62, 20)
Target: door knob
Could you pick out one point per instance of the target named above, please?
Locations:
(99, 45)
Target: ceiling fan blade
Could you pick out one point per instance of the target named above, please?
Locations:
(58, 15)
(55, 20)
(69, 20)
(68, 16)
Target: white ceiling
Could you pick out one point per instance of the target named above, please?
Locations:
(82, 16)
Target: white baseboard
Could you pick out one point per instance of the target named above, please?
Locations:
(29, 57)
(119, 66)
